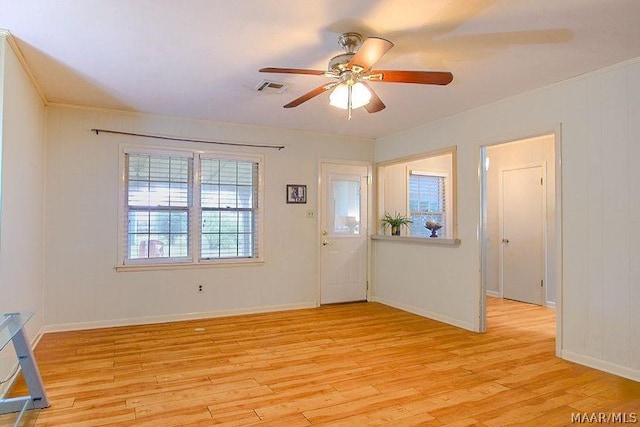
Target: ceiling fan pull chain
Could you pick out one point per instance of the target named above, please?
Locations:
(349, 103)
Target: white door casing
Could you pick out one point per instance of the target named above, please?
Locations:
(522, 225)
(344, 232)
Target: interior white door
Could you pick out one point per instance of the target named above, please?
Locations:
(522, 226)
(344, 224)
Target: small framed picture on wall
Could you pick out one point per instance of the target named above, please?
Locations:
(296, 193)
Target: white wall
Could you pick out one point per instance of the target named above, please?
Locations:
(22, 197)
(538, 150)
(82, 287)
(599, 114)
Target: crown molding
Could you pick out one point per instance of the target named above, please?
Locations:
(11, 41)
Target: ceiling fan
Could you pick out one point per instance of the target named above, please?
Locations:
(353, 70)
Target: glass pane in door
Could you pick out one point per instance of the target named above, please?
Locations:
(345, 196)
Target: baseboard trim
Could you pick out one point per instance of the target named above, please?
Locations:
(426, 313)
(602, 365)
(63, 327)
(494, 294)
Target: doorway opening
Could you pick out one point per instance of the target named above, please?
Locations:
(520, 224)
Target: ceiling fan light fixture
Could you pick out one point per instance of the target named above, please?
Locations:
(353, 69)
(360, 96)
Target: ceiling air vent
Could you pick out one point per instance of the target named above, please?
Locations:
(268, 86)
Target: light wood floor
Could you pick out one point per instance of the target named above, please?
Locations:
(356, 364)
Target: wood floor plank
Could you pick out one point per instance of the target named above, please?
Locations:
(340, 365)
(394, 415)
(358, 407)
(96, 416)
(329, 399)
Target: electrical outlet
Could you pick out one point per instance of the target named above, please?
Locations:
(200, 289)
(311, 214)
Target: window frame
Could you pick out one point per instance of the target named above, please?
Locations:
(194, 259)
(254, 210)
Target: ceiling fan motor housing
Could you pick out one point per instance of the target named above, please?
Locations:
(339, 63)
(350, 43)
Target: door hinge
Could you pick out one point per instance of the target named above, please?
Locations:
(541, 181)
(367, 285)
(541, 283)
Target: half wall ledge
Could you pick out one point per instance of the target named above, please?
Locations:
(417, 240)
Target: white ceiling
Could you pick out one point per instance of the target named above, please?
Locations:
(200, 58)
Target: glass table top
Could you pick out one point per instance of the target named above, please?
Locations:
(10, 324)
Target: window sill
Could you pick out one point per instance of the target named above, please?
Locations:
(418, 240)
(187, 266)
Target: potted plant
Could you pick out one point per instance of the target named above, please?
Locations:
(395, 222)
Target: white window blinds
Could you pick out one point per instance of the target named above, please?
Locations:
(427, 202)
(158, 201)
(228, 196)
(187, 207)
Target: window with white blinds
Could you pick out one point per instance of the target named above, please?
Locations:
(228, 197)
(188, 207)
(159, 194)
(427, 202)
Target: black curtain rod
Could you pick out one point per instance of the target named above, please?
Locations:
(173, 138)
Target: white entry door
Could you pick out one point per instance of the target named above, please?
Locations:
(522, 226)
(343, 225)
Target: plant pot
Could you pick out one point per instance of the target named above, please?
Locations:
(395, 230)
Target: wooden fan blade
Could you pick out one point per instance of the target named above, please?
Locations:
(419, 77)
(375, 103)
(291, 71)
(307, 96)
(370, 52)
